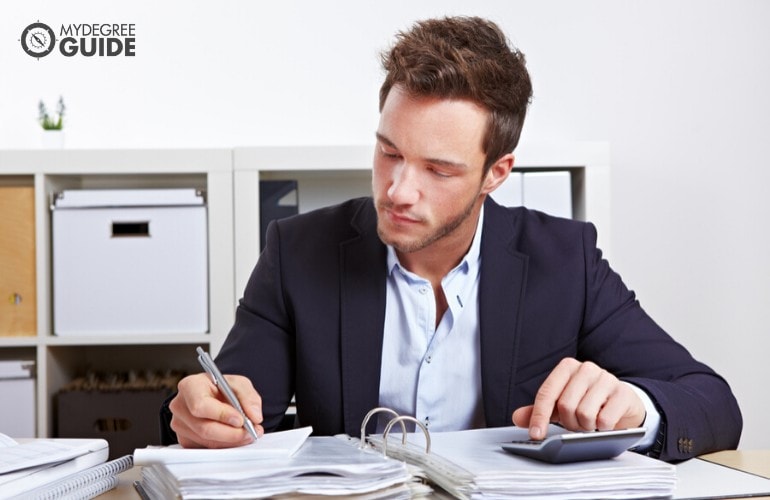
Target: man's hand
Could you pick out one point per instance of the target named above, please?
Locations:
(581, 397)
(202, 417)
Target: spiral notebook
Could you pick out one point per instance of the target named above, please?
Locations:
(84, 484)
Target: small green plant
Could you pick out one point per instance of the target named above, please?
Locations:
(51, 122)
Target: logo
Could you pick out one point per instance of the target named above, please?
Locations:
(80, 39)
(38, 40)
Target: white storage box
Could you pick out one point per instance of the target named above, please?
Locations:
(17, 391)
(130, 261)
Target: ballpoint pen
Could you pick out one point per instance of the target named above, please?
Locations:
(219, 380)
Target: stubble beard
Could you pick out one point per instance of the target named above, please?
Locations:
(441, 232)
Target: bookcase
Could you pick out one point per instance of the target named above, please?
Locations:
(60, 359)
(230, 178)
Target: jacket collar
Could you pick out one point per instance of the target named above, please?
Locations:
(501, 292)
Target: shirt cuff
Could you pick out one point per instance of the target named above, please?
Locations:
(651, 421)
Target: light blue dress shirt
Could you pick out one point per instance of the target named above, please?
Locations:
(434, 372)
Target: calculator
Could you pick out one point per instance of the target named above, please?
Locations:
(577, 446)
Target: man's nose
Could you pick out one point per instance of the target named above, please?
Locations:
(404, 188)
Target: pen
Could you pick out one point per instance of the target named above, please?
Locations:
(216, 376)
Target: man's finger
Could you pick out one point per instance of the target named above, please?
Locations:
(548, 395)
(248, 397)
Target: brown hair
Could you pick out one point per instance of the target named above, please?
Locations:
(464, 58)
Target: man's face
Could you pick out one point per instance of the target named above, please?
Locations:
(427, 179)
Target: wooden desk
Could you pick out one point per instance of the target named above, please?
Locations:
(753, 461)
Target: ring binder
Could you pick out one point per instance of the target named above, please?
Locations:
(373, 412)
(403, 441)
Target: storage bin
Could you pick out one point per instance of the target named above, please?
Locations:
(130, 262)
(17, 391)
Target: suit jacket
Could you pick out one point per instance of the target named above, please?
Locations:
(311, 323)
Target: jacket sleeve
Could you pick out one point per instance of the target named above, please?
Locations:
(699, 413)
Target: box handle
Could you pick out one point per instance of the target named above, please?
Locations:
(131, 229)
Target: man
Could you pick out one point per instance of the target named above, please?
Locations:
(435, 301)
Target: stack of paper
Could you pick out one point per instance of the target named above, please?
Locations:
(471, 464)
(332, 466)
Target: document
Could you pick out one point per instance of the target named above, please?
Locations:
(472, 463)
(330, 466)
(282, 444)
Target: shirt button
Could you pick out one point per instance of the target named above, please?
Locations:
(429, 359)
(423, 290)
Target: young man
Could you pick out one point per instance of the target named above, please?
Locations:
(433, 300)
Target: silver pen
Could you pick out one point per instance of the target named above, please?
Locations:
(216, 376)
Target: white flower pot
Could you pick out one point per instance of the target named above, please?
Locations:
(53, 139)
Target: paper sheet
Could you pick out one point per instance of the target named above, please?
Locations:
(270, 445)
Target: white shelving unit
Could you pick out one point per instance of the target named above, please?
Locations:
(230, 178)
(59, 359)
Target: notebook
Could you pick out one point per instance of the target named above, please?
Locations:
(27, 464)
(85, 484)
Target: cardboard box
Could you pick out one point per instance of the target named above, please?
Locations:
(130, 261)
(126, 419)
(18, 300)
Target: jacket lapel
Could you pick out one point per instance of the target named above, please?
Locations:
(501, 292)
(362, 317)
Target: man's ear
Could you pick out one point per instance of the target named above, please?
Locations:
(497, 173)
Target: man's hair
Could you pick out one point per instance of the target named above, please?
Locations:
(464, 58)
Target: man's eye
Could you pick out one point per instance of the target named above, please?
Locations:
(439, 173)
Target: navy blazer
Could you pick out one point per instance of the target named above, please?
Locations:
(311, 320)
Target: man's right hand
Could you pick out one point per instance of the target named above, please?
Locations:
(202, 417)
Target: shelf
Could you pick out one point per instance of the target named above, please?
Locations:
(59, 358)
(132, 340)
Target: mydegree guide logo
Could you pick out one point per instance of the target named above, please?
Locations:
(87, 40)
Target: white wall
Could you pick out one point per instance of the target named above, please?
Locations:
(678, 88)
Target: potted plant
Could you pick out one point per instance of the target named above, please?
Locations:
(53, 124)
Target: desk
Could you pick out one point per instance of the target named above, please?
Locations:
(753, 461)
